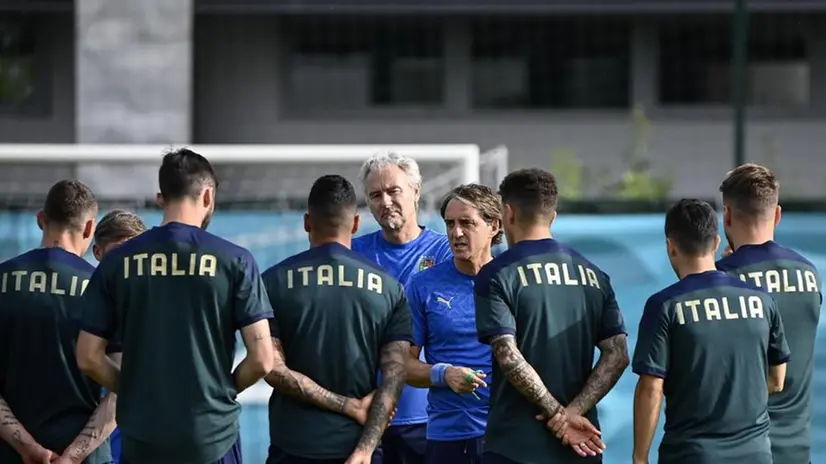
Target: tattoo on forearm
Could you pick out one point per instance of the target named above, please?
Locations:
(299, 386)
(11, 430)
(613, 360)
(521, 374)
(394, 357)
(100, 426)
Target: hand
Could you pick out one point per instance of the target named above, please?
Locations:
(37, 454)
(727, 251)
(359, 457)
(357, 409)
(464, 380)
(65, 460)
(575, 431)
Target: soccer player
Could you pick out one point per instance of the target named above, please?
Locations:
(174, 296)
(49, 410)
(114, 228)
(392, 184)
(708, 343)
(444, 321)
(339, 319)
(750, 214)
(544, 308)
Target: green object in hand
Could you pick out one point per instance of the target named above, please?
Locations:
(470, 378)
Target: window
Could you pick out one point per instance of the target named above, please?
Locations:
(551, 63)
(17, 62)
(346, 64)
(695, 62)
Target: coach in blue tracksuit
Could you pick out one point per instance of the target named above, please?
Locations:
(441, 300)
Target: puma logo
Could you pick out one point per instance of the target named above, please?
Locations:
(445, 301)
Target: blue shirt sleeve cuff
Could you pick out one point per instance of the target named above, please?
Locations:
(486, 336)
(253, 319)
(778, 360)
(104, 334)
(649, 370)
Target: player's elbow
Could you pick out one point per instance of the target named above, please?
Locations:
(777, 379)
(261, 361)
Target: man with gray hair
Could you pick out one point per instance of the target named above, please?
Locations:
(392, 184)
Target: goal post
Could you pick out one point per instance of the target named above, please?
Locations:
(247, 172)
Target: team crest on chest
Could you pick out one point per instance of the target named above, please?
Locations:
(426, 262)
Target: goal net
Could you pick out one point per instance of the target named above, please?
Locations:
(262, 194)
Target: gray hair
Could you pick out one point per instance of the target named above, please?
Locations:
(389, 158)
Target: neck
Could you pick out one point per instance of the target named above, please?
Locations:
(756, 234)
(471, 267)
(340, 239)
(535, 232)
(409, 232)
(696, 266)
(183, 214)
(62, 239)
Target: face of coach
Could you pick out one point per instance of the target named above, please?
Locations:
(392, 196)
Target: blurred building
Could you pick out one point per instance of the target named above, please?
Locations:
(550, 79)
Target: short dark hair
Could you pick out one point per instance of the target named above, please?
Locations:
(332, 202)
(483, 199)
(184, 173)
(692, 226)
(70, 203)
(751, 189)
(118, 225)
(532, 192)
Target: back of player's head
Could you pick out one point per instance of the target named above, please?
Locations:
(532, 193)
(691, 227)
(69, 204)
(118, 225)
(183, 174)
(331, 205)
(483, 200)
(751, 190)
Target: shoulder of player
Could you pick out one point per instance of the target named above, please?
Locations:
(433, 274)
(364, 241)
(753, 255)
(63, 258)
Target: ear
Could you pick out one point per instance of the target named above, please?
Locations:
(553, 217)
(717, 241)
(208, 197)
(778, 213)
(726, 216)
(89, 229)
(98, 252)
(307, 227)
(509, 215)
(417, 191)
(159, 199)
(495, 227)
(356, 224)
(670, 248)
(41, 219)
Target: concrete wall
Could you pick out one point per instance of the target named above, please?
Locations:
(135, 89)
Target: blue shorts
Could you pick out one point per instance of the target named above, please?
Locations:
(114, 445)
(402, 444)
(467, 451)
(278, 456)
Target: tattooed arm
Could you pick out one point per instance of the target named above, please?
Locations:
(613, 359)
(99, 427)
(259, 359)
(522, 375)
(394, 357)
(13, 433)
(299, 386)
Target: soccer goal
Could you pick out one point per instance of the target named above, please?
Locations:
(262, 193)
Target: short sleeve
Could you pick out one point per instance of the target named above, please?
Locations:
(400, 325)
(652, 351)
(251, 301)
(612, 322)
(493, 315)
(98, 315)
(778, 352)
(417, 313)
(275, 331)
(445, 253)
